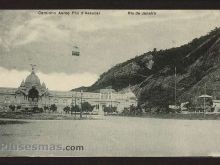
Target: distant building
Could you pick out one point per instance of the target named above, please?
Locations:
(216, 105)
(32, 93)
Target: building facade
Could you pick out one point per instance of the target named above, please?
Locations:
(32, 93)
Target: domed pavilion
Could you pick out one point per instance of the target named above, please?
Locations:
(32, 94)
(31, 89)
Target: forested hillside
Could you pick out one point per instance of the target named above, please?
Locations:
(151, 75)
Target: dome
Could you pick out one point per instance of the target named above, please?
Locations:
(43, 85)
(22, 84)
(32, 79)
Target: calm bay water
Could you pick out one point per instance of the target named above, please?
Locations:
(117, 136)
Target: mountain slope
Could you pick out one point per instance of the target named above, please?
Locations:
(152, 74)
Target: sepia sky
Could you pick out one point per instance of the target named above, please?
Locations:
(27, 37)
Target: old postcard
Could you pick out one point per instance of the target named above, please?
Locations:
(122, 83)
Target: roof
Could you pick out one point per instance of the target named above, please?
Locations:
(6, 90)
(32, 79)
(205, 96)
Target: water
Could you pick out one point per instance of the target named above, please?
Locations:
(117, 136)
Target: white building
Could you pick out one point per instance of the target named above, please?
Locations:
(216, 105)
(32, 93)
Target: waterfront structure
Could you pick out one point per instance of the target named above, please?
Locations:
(216, 105)
(32, 93)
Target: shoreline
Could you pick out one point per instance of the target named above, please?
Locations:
(178, 116)
(42, 116)
(57, 116)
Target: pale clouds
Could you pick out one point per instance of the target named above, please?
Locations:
(53, 81)
(62, 81)
(104, 40)
(66, 28)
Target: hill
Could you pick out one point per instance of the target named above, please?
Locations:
(152, 75)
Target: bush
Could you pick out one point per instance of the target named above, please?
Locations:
(46, 108)
(125, 111)
(18, 107)
(37, 110)
(86, 106)
(41, 110)
(110, 109)
(75, 108)
(53, 108)
(66, 109)
(12, 107)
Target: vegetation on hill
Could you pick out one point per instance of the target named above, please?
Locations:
(195, 62)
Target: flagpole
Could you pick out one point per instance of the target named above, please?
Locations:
(175, 88)
(81, 92)
(204, 100)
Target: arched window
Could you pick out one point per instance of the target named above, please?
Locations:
(33, 94)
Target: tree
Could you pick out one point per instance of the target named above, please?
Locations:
(53, 108)
(86, 106)
(114, 109)
(132, 109)
(12, 107)
(105, 109)
(110, 109)
(41, 110)
(75, 108)
(125, 111)
(35, 109)
(135, 110)
(66, 109)
(46, 108)
(18, 107)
